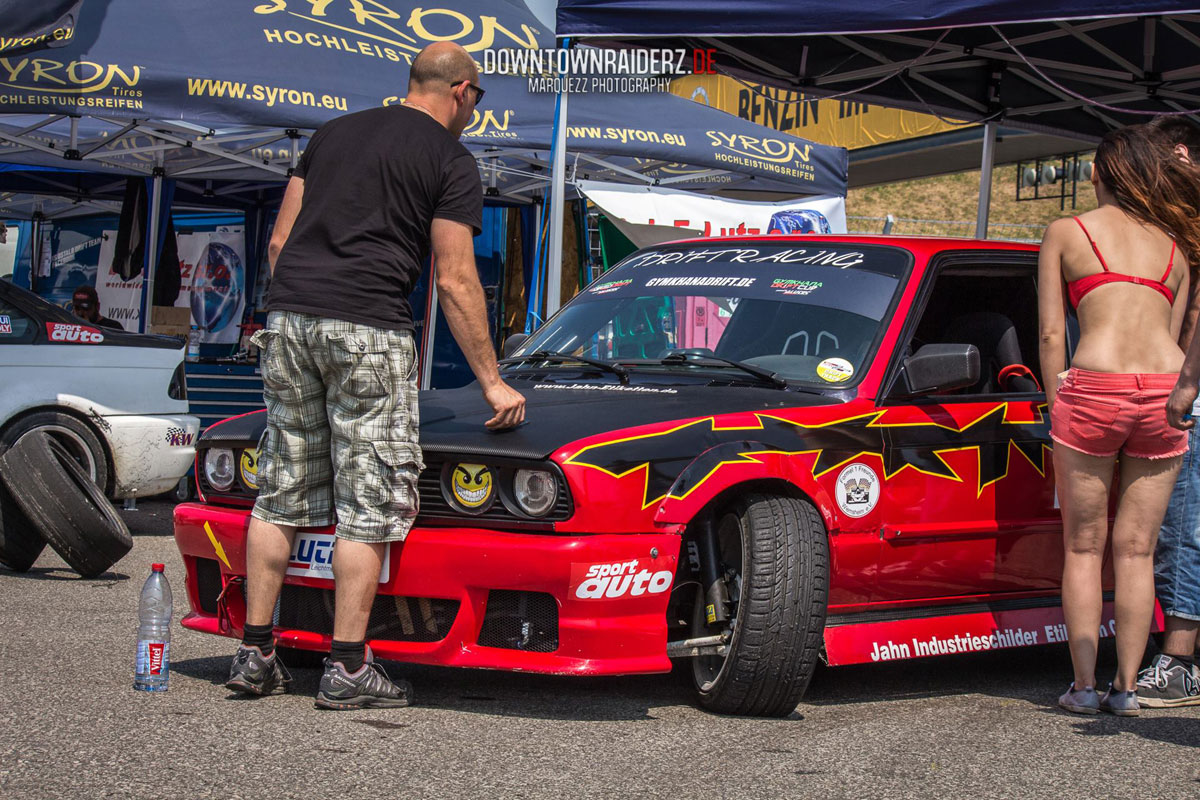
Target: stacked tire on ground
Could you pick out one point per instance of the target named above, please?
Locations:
(48, 497)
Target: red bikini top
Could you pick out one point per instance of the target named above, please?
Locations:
(1078, 288)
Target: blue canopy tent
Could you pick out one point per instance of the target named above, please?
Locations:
(221, 100)
(35, 26)
(1062, 67)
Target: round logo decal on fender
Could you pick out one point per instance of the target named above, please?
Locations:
(472, 486)
(835, 370)
(857, 490)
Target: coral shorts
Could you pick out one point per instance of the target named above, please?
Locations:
(1105, 413)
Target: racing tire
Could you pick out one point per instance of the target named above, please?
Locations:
(20, 542)
(72, 433)
(67, 508)
(775, 555)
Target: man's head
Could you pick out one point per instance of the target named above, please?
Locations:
(444, 80)
(85, 303)
(1177, 133)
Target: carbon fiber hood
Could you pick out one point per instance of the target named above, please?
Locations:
(557, 414)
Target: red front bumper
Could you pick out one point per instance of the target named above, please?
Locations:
(596, 636)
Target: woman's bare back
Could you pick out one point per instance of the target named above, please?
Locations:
(1125, 327)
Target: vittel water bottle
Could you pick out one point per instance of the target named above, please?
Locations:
(154, 634)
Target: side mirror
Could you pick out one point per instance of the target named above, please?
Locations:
(938, 368)
(513, 343)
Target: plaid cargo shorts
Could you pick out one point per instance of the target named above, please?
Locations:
(341, 427)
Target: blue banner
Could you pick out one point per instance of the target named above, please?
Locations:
(296, 64)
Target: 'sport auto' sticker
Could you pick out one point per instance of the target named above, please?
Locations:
(71, 333)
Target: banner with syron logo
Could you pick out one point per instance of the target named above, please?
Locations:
(212, 268)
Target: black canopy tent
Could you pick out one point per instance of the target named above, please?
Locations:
(1067, 67)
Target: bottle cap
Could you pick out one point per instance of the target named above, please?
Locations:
(158, 567)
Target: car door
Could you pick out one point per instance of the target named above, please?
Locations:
(971, 508)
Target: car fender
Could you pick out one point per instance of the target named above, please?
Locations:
(148, 453)
(726, 465)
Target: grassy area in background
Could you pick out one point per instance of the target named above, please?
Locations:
(955, 197)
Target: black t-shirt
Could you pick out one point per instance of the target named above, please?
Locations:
(373, 183)
(105, 322)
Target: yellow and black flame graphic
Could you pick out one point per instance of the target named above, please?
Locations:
(701, 447)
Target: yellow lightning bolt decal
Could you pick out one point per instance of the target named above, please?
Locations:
(220, 551)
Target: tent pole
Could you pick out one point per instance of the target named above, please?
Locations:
(35, 246)
(152, 256)
(431, 315)
(557, 189)
(985, 180)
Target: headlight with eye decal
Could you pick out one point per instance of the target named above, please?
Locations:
(248, 468)
(470, 488)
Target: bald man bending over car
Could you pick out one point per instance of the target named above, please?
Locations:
(373, 194)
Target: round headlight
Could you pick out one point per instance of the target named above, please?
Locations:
(219, 468)
(535, 491)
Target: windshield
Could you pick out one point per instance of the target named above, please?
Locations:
(811, 314)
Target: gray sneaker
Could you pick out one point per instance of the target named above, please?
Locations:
(1080, 701)
(370, 687)
(254, 673)
(1123, 704)
(1168, 683)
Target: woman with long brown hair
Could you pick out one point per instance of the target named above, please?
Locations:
(1124, 268)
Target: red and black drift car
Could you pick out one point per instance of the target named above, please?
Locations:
(747, 453)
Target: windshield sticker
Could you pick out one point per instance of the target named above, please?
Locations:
(750, 255)
(737, 283)
(795, 288)
(857, 490)
(606, 387)
(610, 286)
(835, 370)
(5, 324)
(69, 332)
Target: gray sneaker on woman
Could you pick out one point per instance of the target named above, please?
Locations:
(1080, 701)
(1168, 683)
(1123, 704)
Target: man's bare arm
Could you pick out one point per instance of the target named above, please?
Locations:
(462, 301)
(293, 198)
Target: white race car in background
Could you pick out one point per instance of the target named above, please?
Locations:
(117, 401)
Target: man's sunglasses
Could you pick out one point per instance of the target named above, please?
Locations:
(479, 92)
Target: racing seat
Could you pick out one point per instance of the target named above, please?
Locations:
(1001, 368)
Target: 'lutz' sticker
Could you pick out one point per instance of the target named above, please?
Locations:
(835, 370)
(312, 557)
(71, 333)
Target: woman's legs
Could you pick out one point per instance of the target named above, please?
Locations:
(1083, 482)
(1145, 489)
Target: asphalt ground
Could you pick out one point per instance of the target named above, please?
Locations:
(981, 725)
